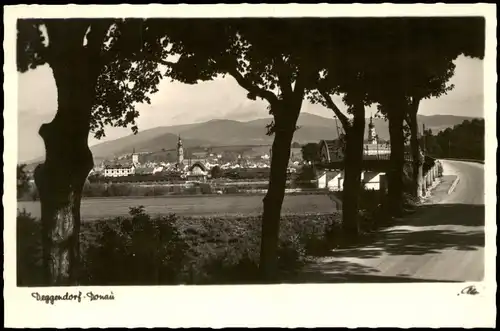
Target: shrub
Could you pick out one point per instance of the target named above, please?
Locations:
(302, 236)
(142, 250)
(28, 250)
(368, 199)
(205, 188)
(136, 250)
(304, 177)
(230, 190)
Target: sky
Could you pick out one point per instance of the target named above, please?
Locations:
(177, 103)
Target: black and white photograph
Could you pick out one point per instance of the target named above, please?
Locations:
(210, 151)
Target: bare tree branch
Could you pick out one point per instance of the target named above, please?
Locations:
(329, 102)
(246, 84)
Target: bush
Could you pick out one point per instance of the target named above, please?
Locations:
(230, 190)
(368, 199)
(28, 250)
(136, 250)
(205, 188)
(314, 233)
(304, 178)
(141, 250)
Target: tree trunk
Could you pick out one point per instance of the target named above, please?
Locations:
(396, 115)
(352, 169)
(61, 177)
(280, 154)
(417, 160)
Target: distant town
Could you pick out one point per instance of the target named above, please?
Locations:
(200, 164)
(194, 164)
(230, 169)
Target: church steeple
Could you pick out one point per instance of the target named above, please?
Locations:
(372, 135)
(180, 152)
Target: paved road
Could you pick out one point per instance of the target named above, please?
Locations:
(470, 189)
(442, 241)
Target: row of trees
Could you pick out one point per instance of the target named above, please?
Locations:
(463, 141)
(104, 67)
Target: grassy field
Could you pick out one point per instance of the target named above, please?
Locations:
(95, 208)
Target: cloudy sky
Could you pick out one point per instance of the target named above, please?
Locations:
(177, 103)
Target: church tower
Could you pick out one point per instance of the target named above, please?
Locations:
(135, 158)
(180, 152)
(372, 135)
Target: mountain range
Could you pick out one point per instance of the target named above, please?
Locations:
(223, 132)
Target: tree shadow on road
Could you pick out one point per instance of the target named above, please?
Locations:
(351, 272)
(447, 214)
(430, 230)
(409, 242)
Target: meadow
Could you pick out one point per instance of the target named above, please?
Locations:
(226, 205)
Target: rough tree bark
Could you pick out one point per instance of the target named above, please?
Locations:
(285, 123)
(68, 160)
(415, 148)
(353, 162)
(352, 169)
(396, 114)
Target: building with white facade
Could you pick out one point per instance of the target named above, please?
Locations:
(119, 170)
(333, 180)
